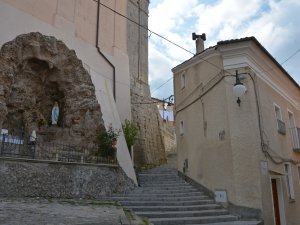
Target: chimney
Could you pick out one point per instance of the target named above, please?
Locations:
(199, 42)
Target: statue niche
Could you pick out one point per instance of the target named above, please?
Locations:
(38, 72)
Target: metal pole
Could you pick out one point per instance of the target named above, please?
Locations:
(2, 146)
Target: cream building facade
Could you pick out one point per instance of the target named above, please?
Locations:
(247, 156)
(99, 38)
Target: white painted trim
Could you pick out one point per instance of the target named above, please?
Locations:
(275, 105)
(289, 181)
(246, 60)
(294, 139)
(183, 80)
(181, 128)
(280, 199)
(298, 171)
(294, 121)
(280, 114)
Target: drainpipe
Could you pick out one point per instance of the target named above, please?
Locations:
(99, 50)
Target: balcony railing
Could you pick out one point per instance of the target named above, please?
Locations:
(295, 133)
(281, 127)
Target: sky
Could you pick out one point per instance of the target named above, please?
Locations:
(274, 23)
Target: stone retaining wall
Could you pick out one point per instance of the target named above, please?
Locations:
(33, 178)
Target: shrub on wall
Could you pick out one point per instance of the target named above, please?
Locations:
(130, 131)
(107, 139)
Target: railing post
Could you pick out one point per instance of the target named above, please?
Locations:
(33, 153)
(69, 153)
(2, 144)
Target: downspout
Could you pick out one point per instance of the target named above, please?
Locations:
(99, 50)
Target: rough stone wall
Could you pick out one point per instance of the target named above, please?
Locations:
(149, 148)
(61, 180)
(35, 71)
(169, 139)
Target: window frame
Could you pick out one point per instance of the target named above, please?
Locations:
(181, 128)
(289, 181)
(278, 111)
(298, 170)
(183, 80)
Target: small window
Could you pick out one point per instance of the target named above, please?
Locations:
(181, 128)
(280, 124)
(182, 80)
(278, 112)
(289, 181)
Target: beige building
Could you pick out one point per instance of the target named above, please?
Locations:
(166, 114)
(99, 38)
(248, 154)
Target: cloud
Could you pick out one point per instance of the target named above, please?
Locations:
(275, 23)
(169, 14)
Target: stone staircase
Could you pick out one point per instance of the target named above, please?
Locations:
(165, 199)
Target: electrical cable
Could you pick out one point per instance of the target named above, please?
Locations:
(295, 53)
(146, 28)
(162, 85)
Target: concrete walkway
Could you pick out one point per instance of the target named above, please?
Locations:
(60, 212)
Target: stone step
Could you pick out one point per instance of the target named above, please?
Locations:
(174, 208)
(159, 181)
(174, 187)
(153, 179)
(157, 176)
(164, 185)
(193, 220)
(162, 199)
(165, 191)
(162, 181)
(175, 195)
(159, 173)
(169, 203)
(233, 223)
(173, 214)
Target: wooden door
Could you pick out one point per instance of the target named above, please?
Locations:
(275, 202)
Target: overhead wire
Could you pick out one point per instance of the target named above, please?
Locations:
(291, 56)
(142, 26)
(162, 85)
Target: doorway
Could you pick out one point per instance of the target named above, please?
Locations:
(278, 204)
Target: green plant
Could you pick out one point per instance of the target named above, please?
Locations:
(106, 140)
(42, 122)
(130, 132)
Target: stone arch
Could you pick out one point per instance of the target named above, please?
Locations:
(35, 71)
